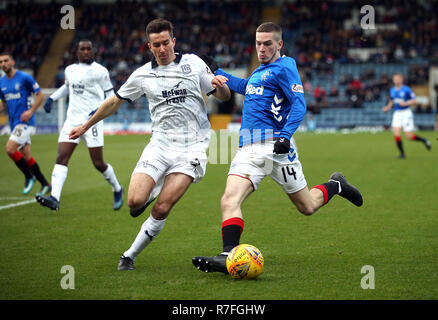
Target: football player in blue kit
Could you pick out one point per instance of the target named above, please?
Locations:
(402, 98)
(16, 88)
(273, 108)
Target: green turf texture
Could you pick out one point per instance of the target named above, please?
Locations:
(306, 257)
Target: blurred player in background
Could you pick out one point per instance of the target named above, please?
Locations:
(87, 83)
(402, 98)
(16, 88)
(273, 108)
(176, 154)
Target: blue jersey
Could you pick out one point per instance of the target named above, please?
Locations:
(16, 92)
(274, 104)
(403, 94)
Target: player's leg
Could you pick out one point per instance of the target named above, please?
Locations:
(59, 175)
(414, 137)
(20, 137)
(409, 127)
(397, 125)
(139, 192)
(288, 173)
(96, 155)
(175, 185)
(35, 169)
(12, 149)
(309, 201)
(398, 140)
(237, 189)
(140, 188)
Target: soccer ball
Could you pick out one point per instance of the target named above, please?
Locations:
(245, 262)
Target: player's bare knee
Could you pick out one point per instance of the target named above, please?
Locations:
(10, 150)
(135, 202)
(161, 209)
(306, 210)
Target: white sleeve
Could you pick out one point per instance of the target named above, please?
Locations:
(205, 77)
(105, 81)
(61, 92)
(131, 89)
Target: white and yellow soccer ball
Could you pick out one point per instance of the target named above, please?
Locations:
(245, 262)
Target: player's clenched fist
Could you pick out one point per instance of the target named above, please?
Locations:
(76, 132)
(218, 81)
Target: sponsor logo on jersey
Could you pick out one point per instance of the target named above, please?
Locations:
(297, 88)
(177, 85)
(78, 88)
(250, 89)
(175, 95)
(12, 96)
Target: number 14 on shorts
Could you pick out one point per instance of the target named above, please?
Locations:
(289, 171)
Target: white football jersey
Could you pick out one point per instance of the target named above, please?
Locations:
(176, 105)
(87, 84)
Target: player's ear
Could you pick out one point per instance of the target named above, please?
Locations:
(280, 44)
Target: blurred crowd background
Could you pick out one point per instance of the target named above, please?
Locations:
(346, 70)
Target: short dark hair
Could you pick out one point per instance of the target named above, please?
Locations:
(85, 40)
(7, 54)
(270, 27)
(159, 25)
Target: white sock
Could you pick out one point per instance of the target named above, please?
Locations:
(59, 174)
(150, 229)
(110, 176)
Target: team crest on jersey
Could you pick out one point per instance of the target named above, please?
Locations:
(186, 68)
(266, 75)
(17, 86)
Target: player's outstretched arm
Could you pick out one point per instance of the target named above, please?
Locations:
(61, 92)
(222, 91)
(108, 107)
(234, 83)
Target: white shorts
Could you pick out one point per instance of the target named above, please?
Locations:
(93, 138)
(159, 160)
(256, 161)
(21, 134)
(403, 119)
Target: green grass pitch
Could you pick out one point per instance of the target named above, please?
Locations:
(306, 257)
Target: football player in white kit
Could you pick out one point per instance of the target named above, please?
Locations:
(176, 154)
(401, 98)
(87, 83)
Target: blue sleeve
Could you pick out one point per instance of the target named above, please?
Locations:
(234, 83)
(411, 94)
(31, 84)
(290, 83)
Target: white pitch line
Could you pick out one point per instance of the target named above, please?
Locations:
(13, 198)
(17, 204)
